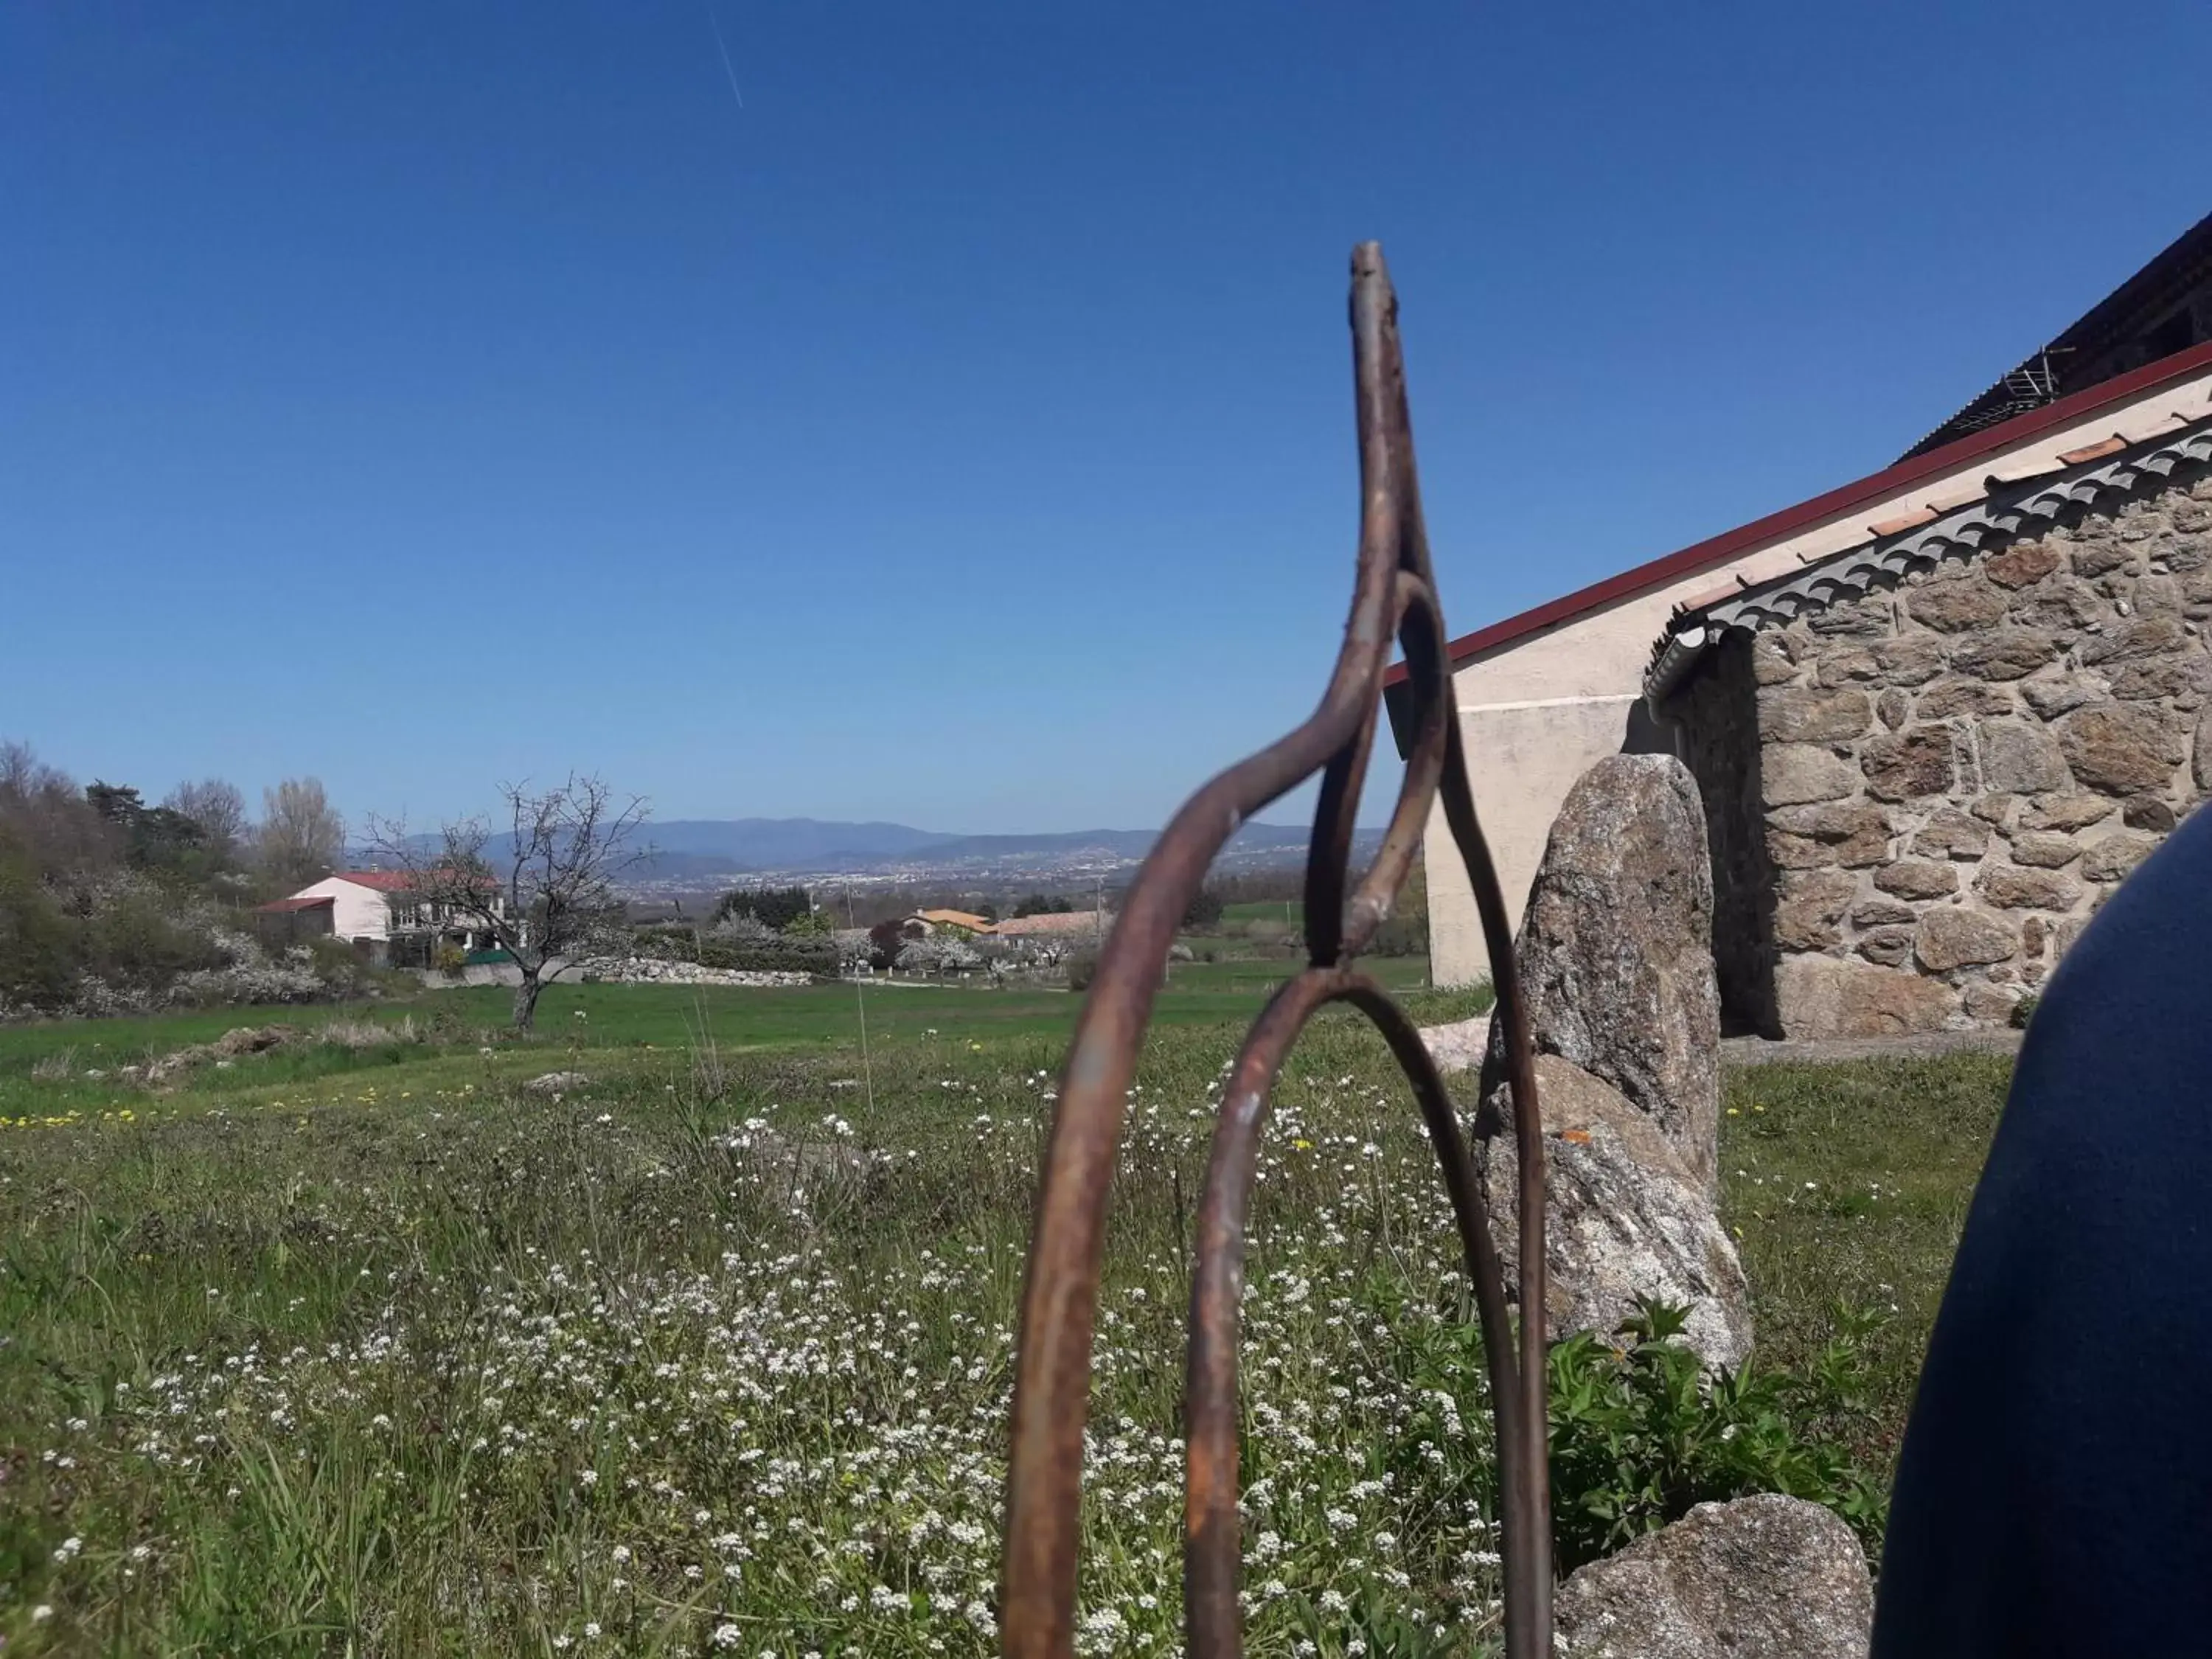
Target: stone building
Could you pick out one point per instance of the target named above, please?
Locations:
(2087, 444)
(1926, 760)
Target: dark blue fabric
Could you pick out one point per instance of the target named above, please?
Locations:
(2055, 1491)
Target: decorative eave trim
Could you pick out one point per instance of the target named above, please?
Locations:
(2009, 511)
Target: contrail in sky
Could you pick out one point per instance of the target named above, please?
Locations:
(723, 45)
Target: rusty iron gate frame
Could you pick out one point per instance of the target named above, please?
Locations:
(1393, 594)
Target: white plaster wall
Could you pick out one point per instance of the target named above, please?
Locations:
(1530, 710)
(357, 912)
(1522, 759)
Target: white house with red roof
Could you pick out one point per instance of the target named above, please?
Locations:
(1544, 695)
(370, 908)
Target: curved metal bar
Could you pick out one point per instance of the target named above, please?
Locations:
(1212, 1531)
(1394, 591)
(1533, 1499)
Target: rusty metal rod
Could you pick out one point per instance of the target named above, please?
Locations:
(1528, 1502)
(1394, 593)
(1212, 1534)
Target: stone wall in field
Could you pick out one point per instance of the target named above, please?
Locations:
(1951, 775)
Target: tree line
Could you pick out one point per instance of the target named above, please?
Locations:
(105, 895)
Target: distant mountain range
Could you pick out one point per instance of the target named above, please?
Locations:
(774, 846)
(688, 855)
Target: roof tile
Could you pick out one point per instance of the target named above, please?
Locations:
(1902, 521)
(2111, 446)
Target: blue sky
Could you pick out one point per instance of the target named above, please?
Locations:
(959, 431)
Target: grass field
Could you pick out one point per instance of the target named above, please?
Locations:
(1850, 1184)
(1290, 912)
(365, 1347)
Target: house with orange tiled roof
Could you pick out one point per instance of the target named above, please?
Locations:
(967, 921)
(1091, 924)
(1934, 712)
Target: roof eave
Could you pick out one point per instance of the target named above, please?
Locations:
(1716, 550)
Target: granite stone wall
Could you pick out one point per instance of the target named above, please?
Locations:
(1953, 774)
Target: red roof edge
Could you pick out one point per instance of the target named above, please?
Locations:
(1875, 485)
(401, 881)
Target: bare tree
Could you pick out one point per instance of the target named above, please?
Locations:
(302, 836)
(544, 890)
(44, 816)
(218, 808)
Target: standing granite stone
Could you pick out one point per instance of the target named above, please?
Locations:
(1623, 1217)
(1615, 950)
(1761, 1578)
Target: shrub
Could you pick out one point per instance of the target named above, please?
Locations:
(885, 940)
(939, 956)
(449, 957)
(1640, 1433)
(777, 953)
(1204, 911)
(339, 966)
(41, 948)
(2024, 1011)
(249, 979)
(667, 942)
(774, 908)
(137, 938)
(1082, 969)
